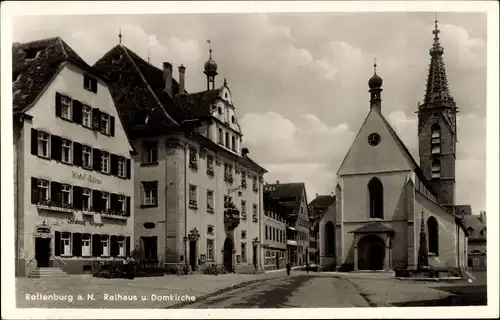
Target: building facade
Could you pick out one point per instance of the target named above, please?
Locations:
(199, 194)
(275, 226)
(384, 198)
(292, 201)
(476, 239)
(321, 206)
(74, 173)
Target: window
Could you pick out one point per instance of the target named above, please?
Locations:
(104, 123)
(475, 262)
(254, 212)
(228, 173)
(104, 162)
(90, 83)
(86, 204)
(66, 151)
(433, 232)
(227, 140)
(150, 193)
(376, 195)
(43, 144)
(210, 230)
(121, 204)
(65, 107)
(210, 201)
(243, 179)
(274, 234)
(105, 246)
(87, 116)
(233, 143)
(86, 245)
(329, 239)
(243, 252)
(66, 194)
(254, 184)
(221, 136)
(210, 250)
(66, 244)
(436, 168)
(105, 201)
(121, 167)
(210, 165)
(43, 190)
(243, 234)
(86, 157)
(243, 209)
(193, 203)
(435, 139)
(121, 246)
(150, 152)
(483, 232)
(193, 158)
(470, 231)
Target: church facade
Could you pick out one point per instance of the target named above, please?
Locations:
(386, 202)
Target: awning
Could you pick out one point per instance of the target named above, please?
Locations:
(291, 228)
(291, 242)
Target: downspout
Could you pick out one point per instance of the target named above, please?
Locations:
(185, 202)
(259, 245)
(17, 200)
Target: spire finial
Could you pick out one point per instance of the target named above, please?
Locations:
(436, 30)
(225, 82)
(209, 48)
(120, 36)
(375, 65)
(149, 57)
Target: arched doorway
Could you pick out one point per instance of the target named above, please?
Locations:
(228, 254)
(371, 253)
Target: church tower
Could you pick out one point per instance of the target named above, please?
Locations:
(437, 129)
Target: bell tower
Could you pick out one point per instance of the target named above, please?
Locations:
(437, 128)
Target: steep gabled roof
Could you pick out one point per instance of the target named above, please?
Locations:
(199, 104)
(137, 90)
(374, 227)
(35, 64)
(322, 201)
(287, 194)
(474, 222)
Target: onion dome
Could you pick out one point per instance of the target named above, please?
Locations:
(210, 66)
(375, 81)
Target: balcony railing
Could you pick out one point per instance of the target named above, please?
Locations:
(69, 207)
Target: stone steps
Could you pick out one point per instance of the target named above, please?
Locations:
(47, 273)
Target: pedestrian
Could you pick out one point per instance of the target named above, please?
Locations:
(288, 268)
(307, 267)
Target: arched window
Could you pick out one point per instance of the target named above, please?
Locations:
(470, 231)
(433, 231)
(435, 139)
(376, 191)
(436, 169)
(329, 239)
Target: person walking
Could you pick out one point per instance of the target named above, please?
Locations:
(288, 268)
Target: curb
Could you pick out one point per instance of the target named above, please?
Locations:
(217, 292)
(450, 279)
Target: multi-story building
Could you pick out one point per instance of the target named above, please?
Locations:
(199, 194)
(292, 198)
(74, 189)
(275, 226)
(476, 239)
(317, 209)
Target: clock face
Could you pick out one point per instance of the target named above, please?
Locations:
(373, 139)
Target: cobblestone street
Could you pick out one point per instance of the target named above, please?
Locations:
(268, 290)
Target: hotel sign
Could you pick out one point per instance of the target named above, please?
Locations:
(86, 177)
(84, 223)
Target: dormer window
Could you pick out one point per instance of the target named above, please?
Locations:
(232, 119)
(220, 110)
(31, 53)
(233, 143)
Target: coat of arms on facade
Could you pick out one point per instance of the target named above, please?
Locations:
(231, 214)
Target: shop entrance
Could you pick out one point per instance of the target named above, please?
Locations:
(42, 252)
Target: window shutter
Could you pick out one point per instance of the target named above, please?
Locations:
(112, 126)
(128, 167)
(96, 119)
(77, 154)
(93, 84)
(114, 165)
(34, 190)
(34, 141)
(77, 111)
(85, 81)
(127, 206)
(58, 104)
(56, 147)
(57, 244)
(77, 197)
(127, 246)
(55, 191)
(77, 244)
(100, 251)
(96, 243)
(113, 250)
(96, 200)
(96, 160)
(114, 201)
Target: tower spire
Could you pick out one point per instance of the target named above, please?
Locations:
(375, 65)
(210, 68)
(375, 84)
(120, 36)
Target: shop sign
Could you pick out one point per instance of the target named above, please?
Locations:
(86, 177)
(84, 223)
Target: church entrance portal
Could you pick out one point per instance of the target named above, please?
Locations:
(371, 253)
(228, 254)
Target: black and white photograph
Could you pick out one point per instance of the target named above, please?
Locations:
(300, 159)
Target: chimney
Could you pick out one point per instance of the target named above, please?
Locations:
(167, 76)
(277, 182)
(317, 195)
(182, 73)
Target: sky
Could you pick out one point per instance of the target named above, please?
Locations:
(299, 82)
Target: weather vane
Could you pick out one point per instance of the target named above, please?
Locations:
(120, 36)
